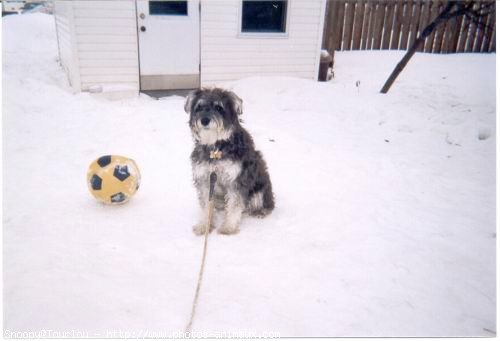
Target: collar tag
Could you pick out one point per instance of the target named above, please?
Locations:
(215, 154)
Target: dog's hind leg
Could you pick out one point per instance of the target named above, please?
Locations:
(268, 199)
(261, 204)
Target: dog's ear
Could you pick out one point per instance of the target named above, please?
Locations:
(191, 100)
(236, 102)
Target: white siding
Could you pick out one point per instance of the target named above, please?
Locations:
(227, 54)
(98, 43)
(65, 27)
(106, 37)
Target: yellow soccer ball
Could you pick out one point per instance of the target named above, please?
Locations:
(113, 179)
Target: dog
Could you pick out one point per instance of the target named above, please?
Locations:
(222, 145)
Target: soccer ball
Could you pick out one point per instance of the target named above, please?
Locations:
(113, 179)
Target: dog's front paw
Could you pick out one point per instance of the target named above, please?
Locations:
(199, 229)
(228, 229)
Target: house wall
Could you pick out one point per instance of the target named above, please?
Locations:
(99, 48)
(65, 28)
(227, 54)
(105, 43)
(106, 35)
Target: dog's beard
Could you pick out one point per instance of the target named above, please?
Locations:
(212, 133)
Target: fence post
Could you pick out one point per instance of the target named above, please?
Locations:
(358, 24)
(348, 23)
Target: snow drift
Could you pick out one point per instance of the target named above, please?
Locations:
(385, 218)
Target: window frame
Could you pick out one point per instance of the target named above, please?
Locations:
(278, 35)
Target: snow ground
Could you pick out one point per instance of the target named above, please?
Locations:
(385, 218)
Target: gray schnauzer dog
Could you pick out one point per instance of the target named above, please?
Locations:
(222, 145)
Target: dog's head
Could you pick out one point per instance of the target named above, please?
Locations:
(213, 114)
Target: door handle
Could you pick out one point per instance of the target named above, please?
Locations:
(143, 29)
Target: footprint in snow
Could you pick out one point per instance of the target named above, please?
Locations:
(483, 133)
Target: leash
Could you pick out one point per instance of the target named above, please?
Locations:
(213, 179)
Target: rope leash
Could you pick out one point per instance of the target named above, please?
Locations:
(213, 179)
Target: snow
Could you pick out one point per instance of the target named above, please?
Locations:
(385, 218)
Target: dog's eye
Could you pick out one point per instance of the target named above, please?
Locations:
(219, 108)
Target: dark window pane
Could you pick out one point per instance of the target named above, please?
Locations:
(263, 16)
(168, 8)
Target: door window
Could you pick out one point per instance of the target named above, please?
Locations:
(168, 8)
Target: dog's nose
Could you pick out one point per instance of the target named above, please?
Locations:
(205, 121)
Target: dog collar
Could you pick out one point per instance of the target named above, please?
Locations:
(215, 154)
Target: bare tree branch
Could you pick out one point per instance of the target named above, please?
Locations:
(475, 11)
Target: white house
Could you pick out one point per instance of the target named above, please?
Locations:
(131, 45)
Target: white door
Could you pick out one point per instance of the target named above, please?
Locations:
(169, 44)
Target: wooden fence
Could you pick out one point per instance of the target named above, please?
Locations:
(386, 24)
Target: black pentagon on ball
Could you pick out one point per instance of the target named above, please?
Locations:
(118, 197)
(96, 182)
(103, 161)
(121, 172)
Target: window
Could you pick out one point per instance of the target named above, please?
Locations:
(264, 16)
(168, 8)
